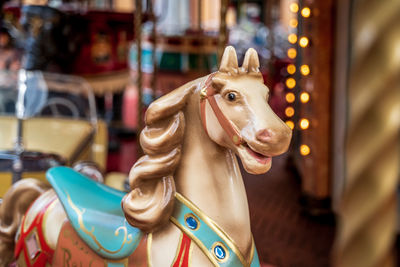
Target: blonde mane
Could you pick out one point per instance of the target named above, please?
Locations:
(150, 202)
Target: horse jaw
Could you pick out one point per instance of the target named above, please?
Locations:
(252, 161)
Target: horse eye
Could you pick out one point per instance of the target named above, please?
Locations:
(231, 96)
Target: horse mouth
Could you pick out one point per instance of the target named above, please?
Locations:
(260, 158)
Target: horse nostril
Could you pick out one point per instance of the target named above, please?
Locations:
(263, 135)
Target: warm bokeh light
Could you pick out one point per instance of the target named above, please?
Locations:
(290, 83)
(294, 7)
(289, 111)
(304, 124)
(290, 97)
(292, 38)
(304, 150)
(290, 124)
(303, 41)
(293, 23)
(304, 97)
(305, 70)
(306, 12)
(291, 53)
(291, 68)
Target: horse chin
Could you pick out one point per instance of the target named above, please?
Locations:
(252, 163)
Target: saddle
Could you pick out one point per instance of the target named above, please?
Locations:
(94, 212)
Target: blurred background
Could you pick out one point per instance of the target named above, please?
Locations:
(333, 70)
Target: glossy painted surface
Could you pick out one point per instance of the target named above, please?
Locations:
(31, 242)
(94, 211)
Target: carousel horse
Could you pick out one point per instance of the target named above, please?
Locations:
(187, 205)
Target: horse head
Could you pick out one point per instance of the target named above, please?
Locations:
(237, 114)
(231, 106)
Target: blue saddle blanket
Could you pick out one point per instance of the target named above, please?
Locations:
(95, 212)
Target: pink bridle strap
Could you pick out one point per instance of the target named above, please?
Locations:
(208, 93)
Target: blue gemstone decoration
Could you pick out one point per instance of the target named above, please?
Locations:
(219, 252)
(191, 222)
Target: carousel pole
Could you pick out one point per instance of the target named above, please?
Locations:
(138, 35)
(154, 56)
(222, 38)
(368, 211)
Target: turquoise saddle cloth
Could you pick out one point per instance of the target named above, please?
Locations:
(95, 212)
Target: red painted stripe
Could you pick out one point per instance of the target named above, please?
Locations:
(46, 254)
(182, 260)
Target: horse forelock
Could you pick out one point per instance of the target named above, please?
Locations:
(169, 104)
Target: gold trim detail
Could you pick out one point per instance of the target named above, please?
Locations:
(127, 238)
(226, 252)
(149, 241)
(203, 93)
(197, 241)
(235, 139)
(46, 214)
(253, 246)
(194, 217)
(215, 227)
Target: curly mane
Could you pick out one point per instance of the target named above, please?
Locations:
(150, 202)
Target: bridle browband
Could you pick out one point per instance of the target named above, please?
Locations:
(208, 93)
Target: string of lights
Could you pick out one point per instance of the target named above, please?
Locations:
(291, 68)
(304, 43)
(298, 45)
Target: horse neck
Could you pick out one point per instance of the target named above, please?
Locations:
(209, 176)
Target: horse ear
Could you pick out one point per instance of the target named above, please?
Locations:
(251, 62)
(229, 62)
